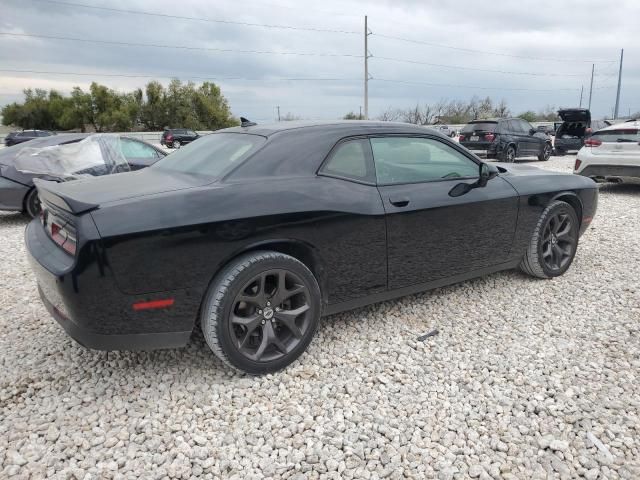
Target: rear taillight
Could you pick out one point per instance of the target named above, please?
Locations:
(592, 142)
(577, 165)
(489, 137)
(60, 231)
(169, 137)
(461, 138)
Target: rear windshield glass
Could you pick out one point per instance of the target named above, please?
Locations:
(213, 154)
(621, 135)
(480, 127)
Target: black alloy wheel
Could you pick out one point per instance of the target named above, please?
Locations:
(270, 315)
(554, 242)
(261, 312)
(558, 241)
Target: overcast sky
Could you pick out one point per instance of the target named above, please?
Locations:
(555, 40)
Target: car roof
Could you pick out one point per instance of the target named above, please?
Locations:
(346, 127)
(621, 126)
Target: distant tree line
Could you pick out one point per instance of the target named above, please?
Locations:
(187, 105)
(458, 112)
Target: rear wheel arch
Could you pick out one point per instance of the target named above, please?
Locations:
(573, 200)
(302, 251)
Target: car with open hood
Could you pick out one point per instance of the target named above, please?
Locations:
(254, 232)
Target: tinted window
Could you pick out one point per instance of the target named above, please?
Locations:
(133, 149)
(213, 154)
(480, 127)
(411, 160)
(525, 126)
(349, 160)
(513, 126)
(618, 135)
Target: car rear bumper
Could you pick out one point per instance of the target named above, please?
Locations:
(608, 171)
(566, 144)
(87, 304)
(482, 151)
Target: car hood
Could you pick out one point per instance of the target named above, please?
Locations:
(575, 115)
(508, 169)
(82, 195)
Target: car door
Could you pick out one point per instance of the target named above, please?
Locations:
(430, 234)
(139, 155)
(534, 143)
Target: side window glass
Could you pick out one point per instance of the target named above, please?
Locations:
(525, 126)
(410, 160)
(133, 149)
(349, 160)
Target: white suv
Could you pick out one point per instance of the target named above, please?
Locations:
(611, 154)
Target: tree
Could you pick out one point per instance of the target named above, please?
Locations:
(352, 116)
(529, 116)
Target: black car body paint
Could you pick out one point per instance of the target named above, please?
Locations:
(157, 234)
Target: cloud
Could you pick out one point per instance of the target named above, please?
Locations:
(561, 30)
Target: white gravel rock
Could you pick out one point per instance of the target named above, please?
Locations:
(520, 372)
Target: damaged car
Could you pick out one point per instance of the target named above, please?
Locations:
(66, 157)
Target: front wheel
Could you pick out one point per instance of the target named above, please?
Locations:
(554, 242)
(546, 153)
(261, 312)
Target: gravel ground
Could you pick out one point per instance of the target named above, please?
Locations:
(526, 379)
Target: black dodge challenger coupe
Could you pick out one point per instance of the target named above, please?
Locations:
(255, 232)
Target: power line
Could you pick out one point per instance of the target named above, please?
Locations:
(199, 19)
(409, 82)
(488, 52)
(459, 67)
(181, 47)
(123, 75)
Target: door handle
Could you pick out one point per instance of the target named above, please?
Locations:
(399, 201)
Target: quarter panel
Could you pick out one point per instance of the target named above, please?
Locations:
(180, 240)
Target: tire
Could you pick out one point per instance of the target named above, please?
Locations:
(256, 336)
(508, 154)
(552, 233)
(546, 152)
(32, 207)
(176, 144)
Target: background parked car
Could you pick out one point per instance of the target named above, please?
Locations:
(611, 154)
(445, 130)
(17, 190)
(546, 129)
(19, 137)
(505, 139)
(176, 137)
(575, 127)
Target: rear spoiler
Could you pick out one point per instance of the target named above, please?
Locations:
(53, 193)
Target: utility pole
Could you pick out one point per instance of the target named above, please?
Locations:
(366, 69)
(581, 90)
(593, 67)
(615, 112)
(278, 107)
(360, 116)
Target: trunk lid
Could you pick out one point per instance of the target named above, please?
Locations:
(575, 115)
(79, 196)
(479, 134)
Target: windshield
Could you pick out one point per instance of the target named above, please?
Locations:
(213, 154)
(619, 135)
(480, 127)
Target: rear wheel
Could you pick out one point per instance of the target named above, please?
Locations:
(508, 154)
(261, 312)
(176, 144)
(32, 206)
(554, 242)
(546, 153)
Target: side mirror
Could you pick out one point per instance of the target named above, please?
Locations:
(487, 172)
(532, 131)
